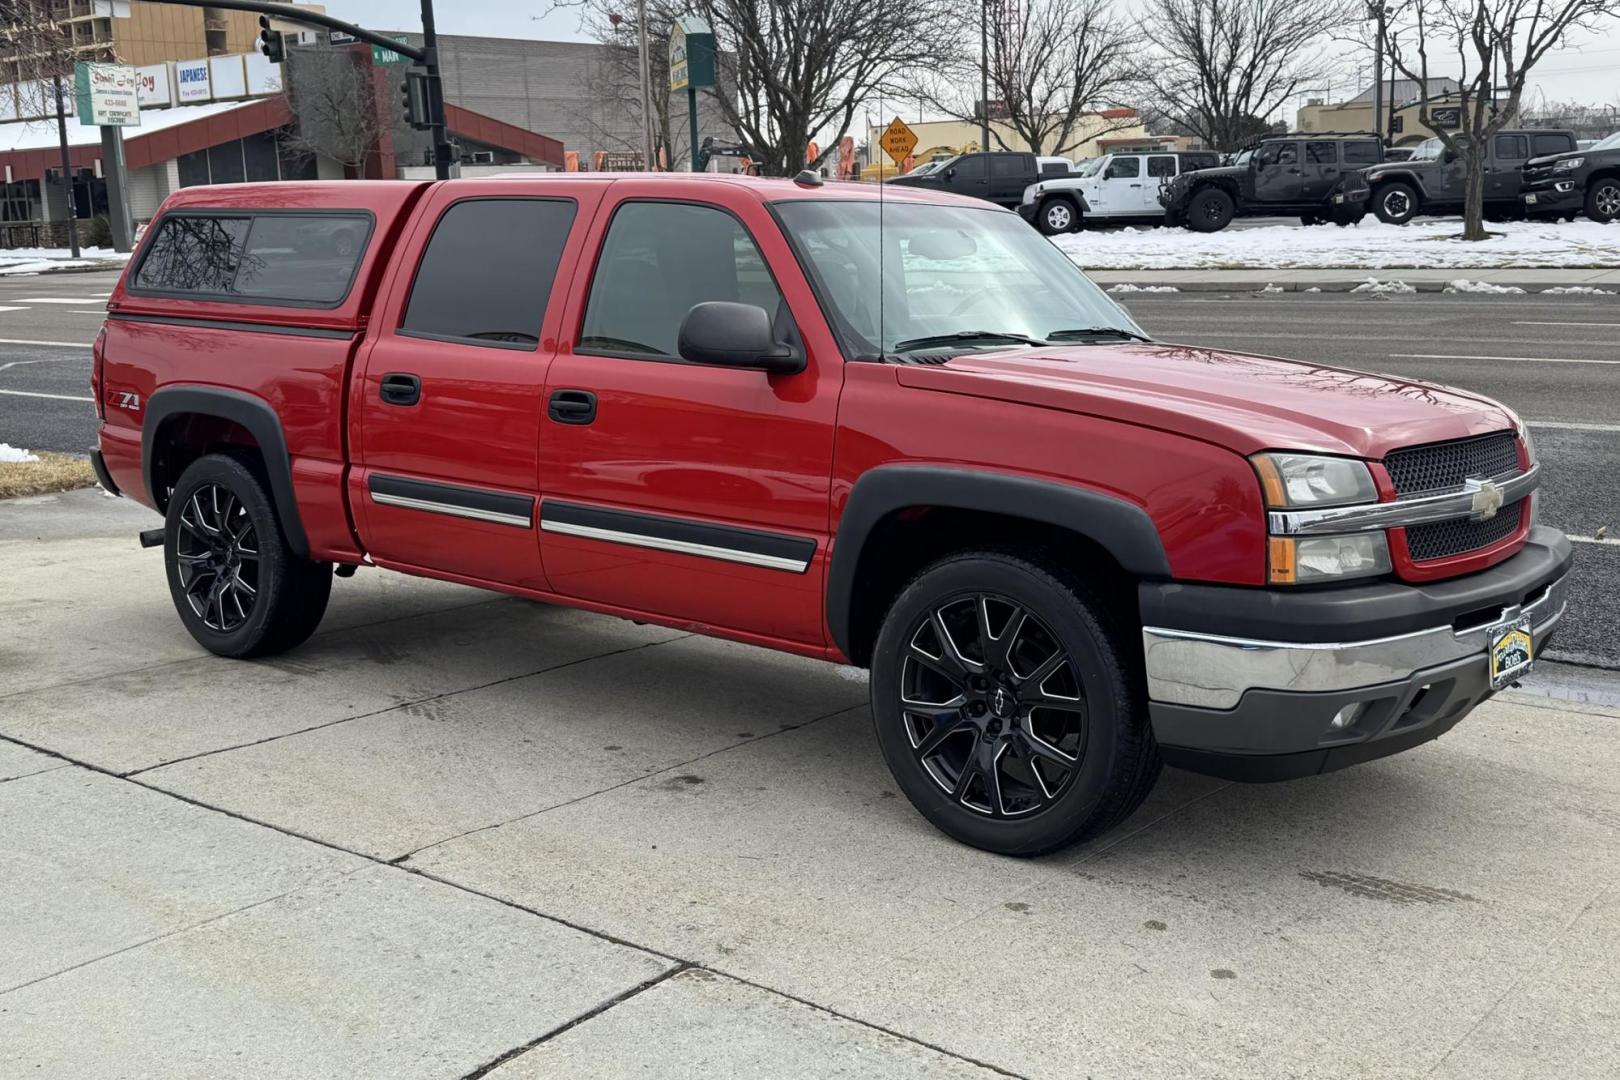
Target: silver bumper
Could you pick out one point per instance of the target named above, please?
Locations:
(1211, 671)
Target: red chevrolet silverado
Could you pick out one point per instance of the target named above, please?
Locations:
(896, 429)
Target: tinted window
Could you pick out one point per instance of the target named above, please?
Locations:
(1161, 165)
(1322, 153)
(1009, 165)
(487, 272)
(193, 254)
(1190, 162)
(1550, 144)
(301, 257)
(1278, 154)
(970, 167)
(1512, 147)
(1360, 153)
(1054, 168)
(1124, 168)
(657, 262)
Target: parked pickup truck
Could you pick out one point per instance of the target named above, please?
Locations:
(1434, 181)
(996, 176)
(1584, 181)
(903, 432)
(1316, 177)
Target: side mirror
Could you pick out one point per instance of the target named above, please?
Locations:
(735, 335)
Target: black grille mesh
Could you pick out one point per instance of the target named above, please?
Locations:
(1422, 470)
(1440, 539)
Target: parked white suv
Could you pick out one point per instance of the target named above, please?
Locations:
(1117, 188)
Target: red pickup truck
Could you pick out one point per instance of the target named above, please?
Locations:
(890, 428)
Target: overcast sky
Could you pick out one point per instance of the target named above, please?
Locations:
(1588, 73)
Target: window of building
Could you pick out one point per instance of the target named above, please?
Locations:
(487, 273)
(658, 261)
(291, 258)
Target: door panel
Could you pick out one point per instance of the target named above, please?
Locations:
(697, 492)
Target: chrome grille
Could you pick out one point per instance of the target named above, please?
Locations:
(1441, 539)
(1437, 467)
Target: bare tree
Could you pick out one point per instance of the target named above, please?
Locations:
(334, 106)
(1218, 69)
(45, 56)
(1491, 46)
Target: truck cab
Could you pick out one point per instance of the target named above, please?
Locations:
(1115, 188)
(1434, 180)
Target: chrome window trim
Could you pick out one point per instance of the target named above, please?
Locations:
(1370, 517)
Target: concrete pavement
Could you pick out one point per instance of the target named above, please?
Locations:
(459, 835)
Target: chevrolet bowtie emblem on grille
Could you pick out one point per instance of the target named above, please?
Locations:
(1487, 498)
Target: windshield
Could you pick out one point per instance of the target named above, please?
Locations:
(1428, 150)
(897, 273)
(1610, 143)
(1089, 167)
(1243, 157)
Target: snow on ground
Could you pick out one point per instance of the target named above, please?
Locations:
(1127, 287)
(10, 455)
(34, 260)
(1371, 245)
(1463, 285)
(1577, 290)
(1373, 285)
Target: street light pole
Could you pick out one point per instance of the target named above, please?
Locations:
(646, 87)
(1378, 71)
(984, 74)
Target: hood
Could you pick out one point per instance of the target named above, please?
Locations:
(1548, 159)
(1373, 172)
(1231, 171)
(1244, 402)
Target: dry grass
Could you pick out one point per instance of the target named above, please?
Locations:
(52, 472)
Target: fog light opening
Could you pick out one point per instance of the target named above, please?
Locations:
(1347, 716)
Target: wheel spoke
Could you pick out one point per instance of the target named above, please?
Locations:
(190, 560)
(949, 652)
(1037, 747)
(945, 669)
(997, 650)
(238, 583)
(945, 725)
(1029, 686)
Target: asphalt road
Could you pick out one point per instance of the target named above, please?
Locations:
(1553, 359)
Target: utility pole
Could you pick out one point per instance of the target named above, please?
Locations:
(67, 166)
(984, 74)
(1378, 71)
(646, 89)
(442, 150)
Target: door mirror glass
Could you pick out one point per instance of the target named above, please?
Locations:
(735, 335)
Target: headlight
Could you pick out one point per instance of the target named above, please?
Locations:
(1304, 560)
(1569, 163)
(1311, 481)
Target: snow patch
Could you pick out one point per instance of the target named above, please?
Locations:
(35, 260)
(1314, 288)
(1270, 288)
(1463, 285)
(1373, 285)
(10, 455)
(1576, 290)
(1127, 287)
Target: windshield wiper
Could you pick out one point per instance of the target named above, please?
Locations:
(964, 336)
(1095, 331)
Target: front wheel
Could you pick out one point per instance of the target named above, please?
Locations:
(1210, 210)
(238, 588)
(1057, 216)
(1009, 706)
(1603, 200)
(1309, 219)
(1396, 203)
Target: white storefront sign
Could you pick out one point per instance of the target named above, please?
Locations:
(154, 85)
(191, 80)
(106, 95)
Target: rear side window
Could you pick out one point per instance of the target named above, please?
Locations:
(1551, 144)
(487, 273)
(1361, 152)
(1161, 166)
(1054, 168)
(269, 258)
(1009, 165)
(1322, 153)
(1512, 147)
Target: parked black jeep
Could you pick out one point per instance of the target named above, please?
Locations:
(1433, 180)
(1316, 176)
(1567, 184)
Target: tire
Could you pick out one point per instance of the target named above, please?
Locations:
(1603, 200)
(1309, 219)
(1026, 763)
(1395, 203)
(237, 587)
(1057, 215)
(1344, 217)
(1210, 210)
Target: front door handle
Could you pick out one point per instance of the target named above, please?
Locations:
(572, 406)
(400, 388)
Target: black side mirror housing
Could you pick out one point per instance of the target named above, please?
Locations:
(736, 335)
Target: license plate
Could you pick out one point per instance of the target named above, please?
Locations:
(1529, 198)
(1512, 654)
(1338, 198)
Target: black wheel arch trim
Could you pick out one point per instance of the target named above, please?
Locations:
(1122, 528)
(253, 413)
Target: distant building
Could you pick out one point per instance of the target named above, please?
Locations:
(1403, 97)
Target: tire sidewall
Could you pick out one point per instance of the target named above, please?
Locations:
(1199, 221)
(1592, 200)
(1010, 578)
(1388, 217)
(273, 561)
(1049, 229)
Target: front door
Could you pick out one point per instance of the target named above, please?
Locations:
(1277, 173)
(970, 176)
(445, 419)
(692, 491)
(1121, 187)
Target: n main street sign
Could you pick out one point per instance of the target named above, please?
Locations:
(898, 140)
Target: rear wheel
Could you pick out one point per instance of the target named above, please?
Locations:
(1309, 219)
(1210, 210)
(1395, 203)
(1009, 706)
(1057, 215)
(237, 587)
(1603, 200)
(1345, 216)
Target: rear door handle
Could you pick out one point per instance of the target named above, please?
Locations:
(400, 388)
(572, 406)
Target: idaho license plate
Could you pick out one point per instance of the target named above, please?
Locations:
(1512, 654)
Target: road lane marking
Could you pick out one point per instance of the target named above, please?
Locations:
(53, 397)
(54, 299)
(13, 309)
(53, 344)
(1516, 359)
(1560, 425)
(1528, 322)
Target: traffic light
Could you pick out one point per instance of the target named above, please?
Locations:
(414, 94)
(270, 42)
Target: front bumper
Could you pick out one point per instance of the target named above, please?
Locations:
(1559, 196)
(1027, 212)
(1259, 700)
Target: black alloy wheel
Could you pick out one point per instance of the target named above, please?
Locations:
(992, 705)
(217, 551)
(1603, 200)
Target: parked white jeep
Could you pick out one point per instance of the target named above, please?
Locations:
(1117, 188)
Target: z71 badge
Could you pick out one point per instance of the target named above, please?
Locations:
(124, 399)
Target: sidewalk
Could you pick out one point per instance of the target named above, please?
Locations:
(1530, 279)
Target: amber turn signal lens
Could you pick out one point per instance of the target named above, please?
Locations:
(1270, 481)
(1280, 561)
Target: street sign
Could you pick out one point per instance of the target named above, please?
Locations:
(380, 55)
(691, 53)
(107, 95)
(898, 141)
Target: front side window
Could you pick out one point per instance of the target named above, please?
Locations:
(969, 166)
(1124, 168)
(892, 275)
(1285, 153)
(486, 275)
(658, 261)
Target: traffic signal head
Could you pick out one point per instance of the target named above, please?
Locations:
(270, 42)
(414, 95)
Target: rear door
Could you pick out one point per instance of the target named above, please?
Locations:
(446, 413)
(1161, 169)
(1010, 174)
(1320, 173)
(1506, 174)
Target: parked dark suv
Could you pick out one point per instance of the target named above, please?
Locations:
(999, 177)
(1317, 176)
(1567, 184)
(1433, 180)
